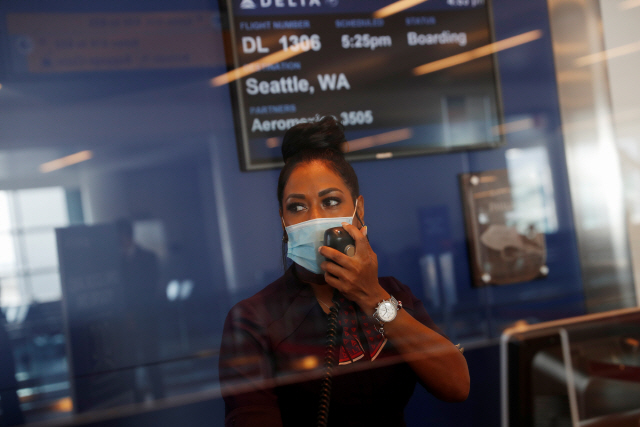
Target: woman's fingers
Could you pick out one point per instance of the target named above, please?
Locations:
(334, 255)
(332, 268)
(355, 277)
(334, 282)
(338, 277)
(358, 236)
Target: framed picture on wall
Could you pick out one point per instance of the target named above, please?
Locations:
(504, 247)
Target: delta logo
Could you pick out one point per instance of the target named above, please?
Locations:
(253, 4)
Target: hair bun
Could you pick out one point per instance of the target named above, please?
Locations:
(326, 134)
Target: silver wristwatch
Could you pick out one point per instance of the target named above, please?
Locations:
(386, 311)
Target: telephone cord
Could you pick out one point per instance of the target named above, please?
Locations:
(329, 362)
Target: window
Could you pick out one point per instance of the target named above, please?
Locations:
(28, 255)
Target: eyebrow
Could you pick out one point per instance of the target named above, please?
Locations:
(328, 190)
(320, 194)
(296, 196)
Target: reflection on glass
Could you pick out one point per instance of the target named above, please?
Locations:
(149, 125)
(142, 295)
(46, 287)
(582, 371)
(7, 254)
(41, 207)
(11, 292)
(466, 119)
(605, 376)
(28, 246)
(5, 215)
(30, 293)
(531, 190)
(40, 249)
(9, 402)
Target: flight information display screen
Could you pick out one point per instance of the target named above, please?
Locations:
(403, 82)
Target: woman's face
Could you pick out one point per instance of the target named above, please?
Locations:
(315, 191)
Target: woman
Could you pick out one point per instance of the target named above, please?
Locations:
(274, 342)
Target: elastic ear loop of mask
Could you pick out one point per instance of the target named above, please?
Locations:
(355, 212)
(285, 236)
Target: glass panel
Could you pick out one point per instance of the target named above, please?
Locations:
(11, 292)
(532, 190)
(5, 215)
(45, 287)
(40, 249)
(112, 102)
(605, 357)
(8, 262)
(42, 207)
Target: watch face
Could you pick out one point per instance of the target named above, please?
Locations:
(387, 311)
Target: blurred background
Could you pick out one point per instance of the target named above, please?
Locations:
(128, 229)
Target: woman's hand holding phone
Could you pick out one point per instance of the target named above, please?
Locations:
(355, 277)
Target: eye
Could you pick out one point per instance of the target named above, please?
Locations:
(295, 207)
(331, 202)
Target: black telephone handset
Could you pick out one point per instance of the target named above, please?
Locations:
(336, 238)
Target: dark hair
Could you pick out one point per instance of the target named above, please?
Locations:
(316, 141)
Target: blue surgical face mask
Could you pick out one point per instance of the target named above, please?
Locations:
(305, 238)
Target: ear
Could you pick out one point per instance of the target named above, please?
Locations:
(281, 219)
(360, 210)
